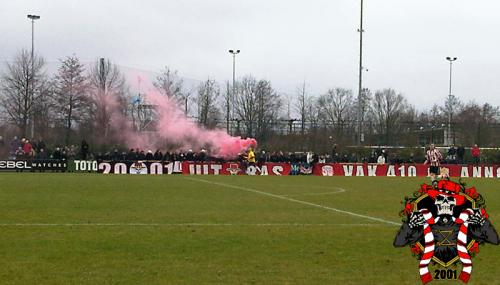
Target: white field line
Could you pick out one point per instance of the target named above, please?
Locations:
(183, 225)
(340, 190)
(294, 200)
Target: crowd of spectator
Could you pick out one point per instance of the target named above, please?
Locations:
(456, 155)
(379, 156)
(24, 149)
(140, 154)
(27, 149)
(204, 155)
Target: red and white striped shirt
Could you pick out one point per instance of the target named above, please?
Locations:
(433, 156)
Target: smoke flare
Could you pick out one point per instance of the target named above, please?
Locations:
(174, 129)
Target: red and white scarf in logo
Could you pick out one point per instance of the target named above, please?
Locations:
(426, 258)
(463, 253)
(429, 247)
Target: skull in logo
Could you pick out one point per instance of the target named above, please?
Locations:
(445, 204)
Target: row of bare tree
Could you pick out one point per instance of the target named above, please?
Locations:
(78, 102)
(74, 100)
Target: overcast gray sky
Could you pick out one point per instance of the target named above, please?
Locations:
(287, 42)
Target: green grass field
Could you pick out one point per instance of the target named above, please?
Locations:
(133, 229)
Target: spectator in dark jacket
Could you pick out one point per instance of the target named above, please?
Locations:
(115, 155)
(41, 154)
(14, 145)
(158, 155)
(460, 154)
(452, 154)
(411, 159)
(131, 154)
(40, 145)
(84, 149)
(167, 156)
(57, 153)
(19, 153)
(190, 155)
(149, 155)
(141, 156)
(202, 156)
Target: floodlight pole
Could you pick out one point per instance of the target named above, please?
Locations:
(32, 77)
(360, 83)
(234, 53)
(451, 60)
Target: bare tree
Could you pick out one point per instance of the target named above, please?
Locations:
(106, 86)
(335, 105)
(44, 108)
(451, 106)
(169, 83)
(313, 112)
(435, 114)
(257, 105)
(490, 114)
(432, 116)
(208, 93)
(71, 93)
(244, 103)
(17, 99)
(268, 107)
(388, 109)
(301, 106)
(473, 121)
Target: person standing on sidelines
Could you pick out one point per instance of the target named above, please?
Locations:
(28, 150)
(433, 157)
(381, 159)
(251, 157)
(476, 154)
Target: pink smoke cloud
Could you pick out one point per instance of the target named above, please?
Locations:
(173, 128)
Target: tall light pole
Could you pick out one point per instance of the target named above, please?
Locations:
(360, 83)
(450, 96)
(234, 53)
(32, 77)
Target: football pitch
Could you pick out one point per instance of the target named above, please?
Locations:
(144, 229)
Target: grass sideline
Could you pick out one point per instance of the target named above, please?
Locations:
(134, 229)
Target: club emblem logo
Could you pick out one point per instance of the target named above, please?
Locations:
(294, 169)
(327, 170)
(233, 168)
(444, 225)
(306, 169)
(138, 167)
